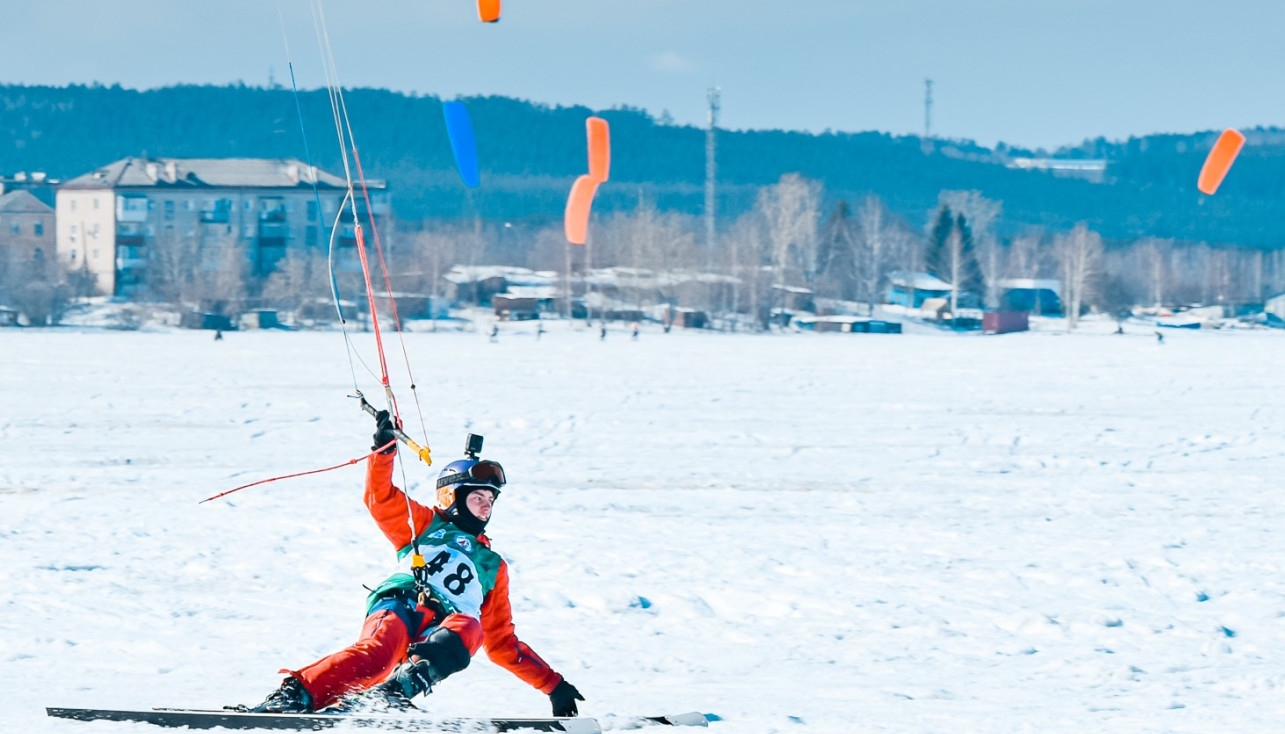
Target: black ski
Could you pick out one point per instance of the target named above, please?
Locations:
(227, 719)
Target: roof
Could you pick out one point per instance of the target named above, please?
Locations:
(530, 291)
(199, 173)
(918, 281)
(512, 274)
(22, 202)
(1033, 284)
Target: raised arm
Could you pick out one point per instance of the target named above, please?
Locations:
(388, 505)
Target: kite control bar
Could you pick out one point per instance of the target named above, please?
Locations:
(421, 451)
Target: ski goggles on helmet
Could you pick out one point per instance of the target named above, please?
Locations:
(484, 473)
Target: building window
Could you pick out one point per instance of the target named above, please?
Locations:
(310, 238)
(169, 209)
(73, 205)
(95, 203)
(39, 228)
(74, 231)
(312, 211)
(73, 256)
(15, 228)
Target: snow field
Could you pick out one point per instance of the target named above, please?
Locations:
(800, 533)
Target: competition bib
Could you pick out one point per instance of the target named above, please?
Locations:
(452, 574)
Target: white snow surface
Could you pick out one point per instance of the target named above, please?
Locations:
(799, 533)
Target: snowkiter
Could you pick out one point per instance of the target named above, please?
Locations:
(424, 625)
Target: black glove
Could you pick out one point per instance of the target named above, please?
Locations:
(384, 432)
(564, 699)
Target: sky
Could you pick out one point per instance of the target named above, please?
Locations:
(1033, 74)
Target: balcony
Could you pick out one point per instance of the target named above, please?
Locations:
(273, 231)
(131, 208)
(214, 216)
(130, 240)
(273, 215)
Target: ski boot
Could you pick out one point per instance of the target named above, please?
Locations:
(409, 680)
(290, 698)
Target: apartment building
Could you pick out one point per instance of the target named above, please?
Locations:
(26, 228)
(119, 219)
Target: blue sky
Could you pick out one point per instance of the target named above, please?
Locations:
(1027, 72)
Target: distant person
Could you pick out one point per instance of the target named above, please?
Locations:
(539, 331)
(634, 327)
(218, 335)
(1160, 338)
(1119, 328)
(602, 335)
(495, 333)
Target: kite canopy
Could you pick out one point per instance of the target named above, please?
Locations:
(599, 148)
(1219, 161)
(576, 220)
(459, 128)
(488, 11)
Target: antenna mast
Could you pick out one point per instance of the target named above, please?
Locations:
(928, 113)
(711, 169)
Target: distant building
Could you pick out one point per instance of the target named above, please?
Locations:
(1275, 306)
(115, 220)
(1032, 295)
(912, 289)
(1089, 169)
(36, 183)
(26, 228)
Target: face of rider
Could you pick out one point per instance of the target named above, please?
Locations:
(479, 503)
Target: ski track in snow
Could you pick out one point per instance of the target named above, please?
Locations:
(802, 533)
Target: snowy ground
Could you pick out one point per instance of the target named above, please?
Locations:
(800, 533)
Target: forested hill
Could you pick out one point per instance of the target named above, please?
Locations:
(530, 154)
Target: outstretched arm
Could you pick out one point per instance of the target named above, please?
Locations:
(502, 643)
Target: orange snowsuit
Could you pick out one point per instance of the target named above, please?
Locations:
(385, 636)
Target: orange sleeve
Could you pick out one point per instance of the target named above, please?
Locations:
(387, 504)
(502, 644)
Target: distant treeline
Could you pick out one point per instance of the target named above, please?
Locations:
(530, 153)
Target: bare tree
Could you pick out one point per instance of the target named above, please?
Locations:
(882, 239)
(174, 267)
(790, 212)
(300, 277)
(1080, 256)
(1028, 257)
(36, 287)
(436, 248)
(1158, 257)
(836, 254)
(748, 254)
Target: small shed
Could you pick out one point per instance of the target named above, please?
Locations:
(1041, 296)
(687, 318)
(1005, 322)
(1275, 306)
(509, 307)
(935, 308)
(911, 289)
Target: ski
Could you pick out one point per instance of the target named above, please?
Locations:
(228, 719)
